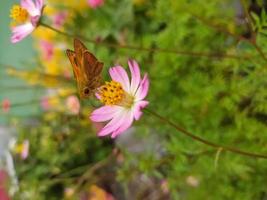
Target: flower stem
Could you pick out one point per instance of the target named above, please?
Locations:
(237, 37)
(204, 141)
(156, 50)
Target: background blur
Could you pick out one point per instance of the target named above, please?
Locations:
(14, 55)
(209, 76)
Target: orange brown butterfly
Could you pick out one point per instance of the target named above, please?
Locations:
(86, 68)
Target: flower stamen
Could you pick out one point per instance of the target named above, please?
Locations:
(112, 94)
(19, 14)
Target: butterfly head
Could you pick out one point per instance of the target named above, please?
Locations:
(85, 92)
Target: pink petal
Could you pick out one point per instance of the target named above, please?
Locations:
(60, 18)
(114, 124)
(138, 107)
(98, 96)
(47, 49)
(127, 122)
(119, 74)
(143, 89)
(30, 7)
(73, 104)
(27, 4)
(39, 4)
(104, 113)
(35, 20)
(135, 75)
(95, 3)
(25, 150)
(20, 32)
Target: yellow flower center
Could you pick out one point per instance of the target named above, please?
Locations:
(19, 14)
(112, 94)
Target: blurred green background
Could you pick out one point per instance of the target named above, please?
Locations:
(19, 56)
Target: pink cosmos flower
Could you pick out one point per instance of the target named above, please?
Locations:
(27, 15)
(73, 104)
(95, 3)
(123, 100)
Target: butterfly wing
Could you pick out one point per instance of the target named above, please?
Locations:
(93, 69)
(79, 49)
(86, 68)
(91, 65)
(72, 57)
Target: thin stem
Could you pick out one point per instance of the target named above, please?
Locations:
(249, 20)
(204, 141)
(156, 50)
(253, 41)
(90, 171)
(237, 37)
(259, 50)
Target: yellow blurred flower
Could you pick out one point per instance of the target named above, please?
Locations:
(68, 193)
(50, 116)
(138, 2)
(64, 92)
(97, 193)
(44, 33)
(22, 149)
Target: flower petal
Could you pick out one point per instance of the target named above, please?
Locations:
(98, 96)
(119, 74)
(25, 151)
(104, 113)
(27, 4)
(39, 4)
(30, 7)
(114, 124)
(20, 32)
(143, 89)
(138, 107)
(35, 20)
(127, 122)
(135, 75)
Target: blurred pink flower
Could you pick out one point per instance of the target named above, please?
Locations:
(73, 104)
(5, 105)
(95, 3)
(67, 74)
(164, 186)
(27, 15)
(25, 149)
(47, 49)
(59, 19)
(3, 183)
(123, 100)
(22, 149)
(45, 104)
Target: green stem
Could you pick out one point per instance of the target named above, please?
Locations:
(204, 141)
(250, 22)
(156, 50)
(237, 37)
